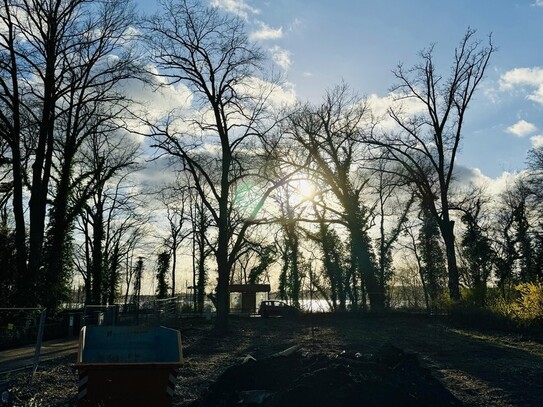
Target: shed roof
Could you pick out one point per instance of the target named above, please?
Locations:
(250, 288)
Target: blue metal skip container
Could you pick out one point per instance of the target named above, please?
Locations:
(128, 366)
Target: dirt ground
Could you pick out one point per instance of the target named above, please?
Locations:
(479, 369)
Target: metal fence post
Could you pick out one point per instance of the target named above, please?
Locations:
(39, 341)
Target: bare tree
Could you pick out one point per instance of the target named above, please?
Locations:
(290, 277)
(57, 85)
(392, 206)
(329, 139)
(426, 146)
(109, 214)
(476, 248)
(176, 198)
(420, 242)
(516, 237)
(210, 53)
(334, 265)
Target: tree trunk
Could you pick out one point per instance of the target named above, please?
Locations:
(351, 278)
(88, 289)
(97, 261)
(53, 280)
(223, 292)
(174, 264)
(424, 287)
(113, 275)
(360, 246)
(295, 283)
(201, 274)
(376, 297)
(41, 168)
(25, 284)
(223, 268)
(447, 232)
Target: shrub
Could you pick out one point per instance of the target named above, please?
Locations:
(466, 312)
(523, 308)
(528, 307)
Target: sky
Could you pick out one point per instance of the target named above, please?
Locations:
(316, 44)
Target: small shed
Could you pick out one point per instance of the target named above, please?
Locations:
(246, 298)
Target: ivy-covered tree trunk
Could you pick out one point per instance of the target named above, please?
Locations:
(447, 232)
(97, 251)
(432, 260)
(360, 245)
(333, 264)
(113, 273)
(162, 270)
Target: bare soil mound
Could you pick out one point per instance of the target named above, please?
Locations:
(389, 377)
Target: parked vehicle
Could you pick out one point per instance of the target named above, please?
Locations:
(270, 308)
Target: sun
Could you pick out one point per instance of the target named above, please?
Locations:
(305, 189)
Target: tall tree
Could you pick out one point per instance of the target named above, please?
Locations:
(504, 240)
(407, 273)
(138, 279)
(92, 107)
(110, 223)
(162, 269)
(32, 45)
(432, 260)
(57, 81)
(210, 53)
(333, 262)
(290, 278)
(176, 198)
(476, 245)
(426, 144)
(329, 137)
(392, 207)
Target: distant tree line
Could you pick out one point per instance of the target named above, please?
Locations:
(343, 204)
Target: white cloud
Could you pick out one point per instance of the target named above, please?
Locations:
(266, 32)
(466, 177)
(153, 102)
(281, 57)
(239, 7)
(307, 74)
(277, 95)
(500, 184)
(380, 105)
(158, 102)
(538, 3)
(537, 141)
(521, 128)
(525, 77)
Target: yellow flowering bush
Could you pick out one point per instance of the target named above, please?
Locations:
(529, 305)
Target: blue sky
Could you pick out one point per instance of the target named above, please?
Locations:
(318, 43)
